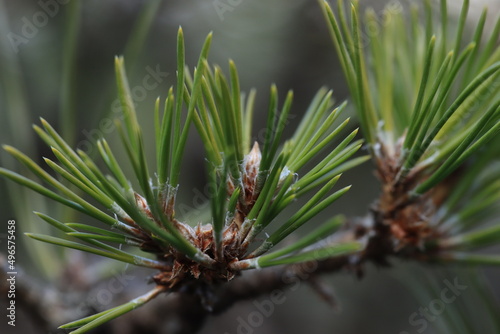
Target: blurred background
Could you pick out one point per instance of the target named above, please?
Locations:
(56, 62)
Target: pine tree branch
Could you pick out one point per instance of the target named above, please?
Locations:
(185, 312)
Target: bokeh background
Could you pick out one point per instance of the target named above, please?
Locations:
(272, 41)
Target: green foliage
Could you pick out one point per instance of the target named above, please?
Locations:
(428, 105)
(98, 319)
(253, 186)
(420, 96)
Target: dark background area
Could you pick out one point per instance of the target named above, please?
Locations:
(275, 41)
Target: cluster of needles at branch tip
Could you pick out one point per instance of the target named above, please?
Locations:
(254, 183)
(428, 104)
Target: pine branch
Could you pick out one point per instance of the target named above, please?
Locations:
(428, 110)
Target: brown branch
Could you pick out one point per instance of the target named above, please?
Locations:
(185, 311)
